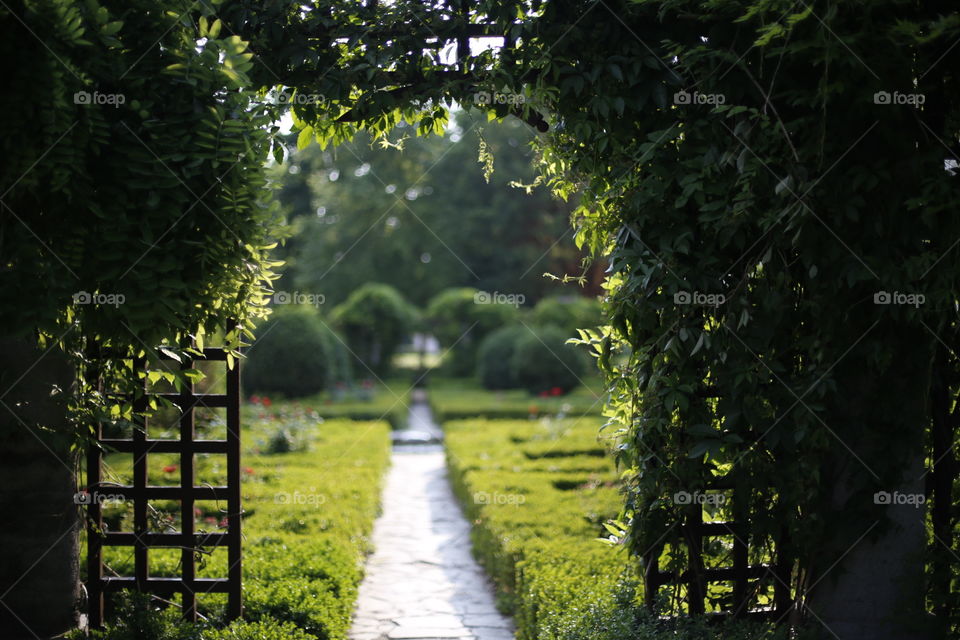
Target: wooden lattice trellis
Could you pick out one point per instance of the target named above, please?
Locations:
(748, 580)
(187, 493)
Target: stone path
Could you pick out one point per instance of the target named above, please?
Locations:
(422, 582)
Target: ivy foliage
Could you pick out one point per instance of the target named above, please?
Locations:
(768, 183)
(135, 211)
(765, 179)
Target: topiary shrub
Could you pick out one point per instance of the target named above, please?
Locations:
(375, 319)
(495, 357)
(542, 361)
(460, 318)
(295, 354)
(568, 313)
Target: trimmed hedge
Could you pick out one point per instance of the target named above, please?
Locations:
(308, 518)
(542, 361)
(459, 399)
(495, 357)
(295, 355)
(375, 320)
(568, 313)
(460, 318)
(538, 493)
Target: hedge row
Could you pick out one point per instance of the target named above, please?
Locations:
(538, 493)
(460, 399)
(309, 514)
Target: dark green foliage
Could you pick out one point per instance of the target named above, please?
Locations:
(568, 313)
(294, 355)
(374, 320)
(133, 167)
(140, 617)
(460, 318)
(542, 361)
(495, 357)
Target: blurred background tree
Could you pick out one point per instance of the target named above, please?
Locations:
(426, 219)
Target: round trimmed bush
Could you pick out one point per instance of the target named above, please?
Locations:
(568, 313)
(460, 318)
(543, 361)
(495, 357)
(375, 319)
(294, 355)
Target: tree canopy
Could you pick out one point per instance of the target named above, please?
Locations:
(422, 217)
(772, 184)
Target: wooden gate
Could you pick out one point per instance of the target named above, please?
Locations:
(140, 492)
(748, 581)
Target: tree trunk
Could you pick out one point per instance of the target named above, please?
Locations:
(867, 582)
(39, 563)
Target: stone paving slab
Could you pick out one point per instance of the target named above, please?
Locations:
(421, 582)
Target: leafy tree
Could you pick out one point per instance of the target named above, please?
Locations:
(750, 215)
(724, 158)
(424, 219)
(134, 213)
(375, 320)
(460, 318)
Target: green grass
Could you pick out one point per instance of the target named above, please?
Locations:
(538, 493)
(308, 517)
(461, 398)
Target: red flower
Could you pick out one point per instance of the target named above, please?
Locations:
(544, 394)
(255, 399)
(266, 401)
(248, 470)
(170, 468)
(197, 512)
(556, 391)
(223, 523)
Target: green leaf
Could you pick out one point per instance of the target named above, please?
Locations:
(305, 137)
